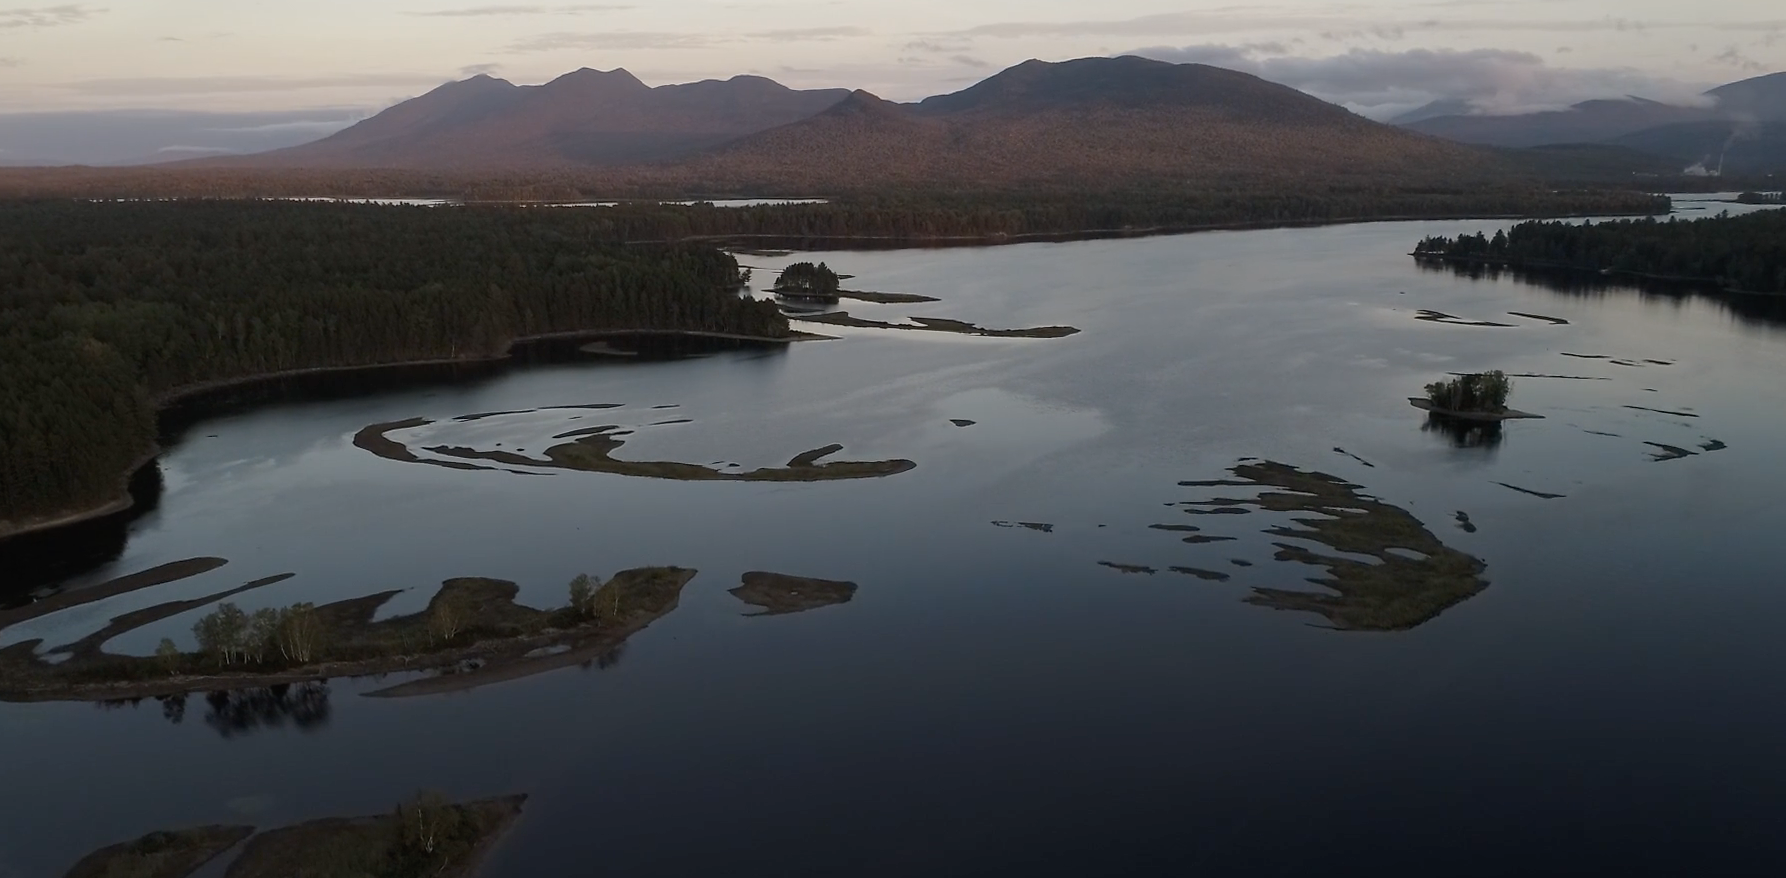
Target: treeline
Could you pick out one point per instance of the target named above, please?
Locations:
(990, 217)
(1745, 253)
(913, 214)
(104, 308)
(1761, 198)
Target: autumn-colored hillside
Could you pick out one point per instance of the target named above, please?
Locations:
(587, 118)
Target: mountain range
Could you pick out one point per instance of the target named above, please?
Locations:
(1081, 122)
(583, 118)
(1739, 128)
(1106, 120)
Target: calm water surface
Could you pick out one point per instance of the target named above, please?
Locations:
(994, 700)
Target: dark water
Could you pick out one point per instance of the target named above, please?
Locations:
(994, 700)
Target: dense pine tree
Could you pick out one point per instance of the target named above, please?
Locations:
(1742, 253)
(104, 308)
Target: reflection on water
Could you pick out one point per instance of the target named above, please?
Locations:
(33, 561)
(305, 706)
(240, 712)
(1757, 310)
(1465, 433)
(1636, 613)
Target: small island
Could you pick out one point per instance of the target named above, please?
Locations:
(777, 594)
(1761, 198)
(174, 854)
(1479, 396)
(426, 836)
(1385, 570)
(473, 632)
(804, 280)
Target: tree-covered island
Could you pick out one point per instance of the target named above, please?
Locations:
(804, 280)
(1478, 396)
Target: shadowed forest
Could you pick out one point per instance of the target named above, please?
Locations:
(109, 308)
(1744, 253)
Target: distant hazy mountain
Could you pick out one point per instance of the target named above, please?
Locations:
(1587, 122)
(1095, 119)
(135, 137)
(1728, 148)
(1434, 110)
(1738, 125)
(583, 118)
(1762, 99)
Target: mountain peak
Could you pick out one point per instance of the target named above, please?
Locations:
(616, 81)
(480, 82)
(1133, 82)
(864, 105)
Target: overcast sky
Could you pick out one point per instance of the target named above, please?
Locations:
(1378, 57)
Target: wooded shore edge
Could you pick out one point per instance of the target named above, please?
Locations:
(124, 502)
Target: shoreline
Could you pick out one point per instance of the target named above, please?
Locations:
(1485, 417)
(167, 399)
(1540, 266)
(120, 505)
(998, 238)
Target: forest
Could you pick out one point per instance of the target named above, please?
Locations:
(1740, 253)
(917, 214)
(993, 217)
(105, 309)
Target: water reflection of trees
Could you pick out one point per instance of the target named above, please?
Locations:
(1463, 433)
(305, 706)
(246, 711)
(34, 560)
(1754, 310)
(607, 659)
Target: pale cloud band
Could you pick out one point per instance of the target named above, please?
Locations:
(490, 11)
(46, 16)
(1384, 84)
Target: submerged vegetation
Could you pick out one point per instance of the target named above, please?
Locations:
(107, 310)
(937, 324)
(777, 594)
(592, 450)
(1410, 577)
(1743, 253)
(468, 620)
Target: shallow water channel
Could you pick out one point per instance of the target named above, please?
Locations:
(1038, 673)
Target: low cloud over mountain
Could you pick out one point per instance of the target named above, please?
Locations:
(1387, 84)
(139, 136)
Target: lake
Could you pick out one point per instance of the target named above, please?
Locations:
(1008, 699)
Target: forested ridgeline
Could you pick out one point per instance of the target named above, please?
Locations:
(910, 213)
(990, 217)
(1746, 253)
(105, 308)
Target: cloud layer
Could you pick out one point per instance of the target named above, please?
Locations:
(1384, 84)
(46, 16)
(491, 11)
